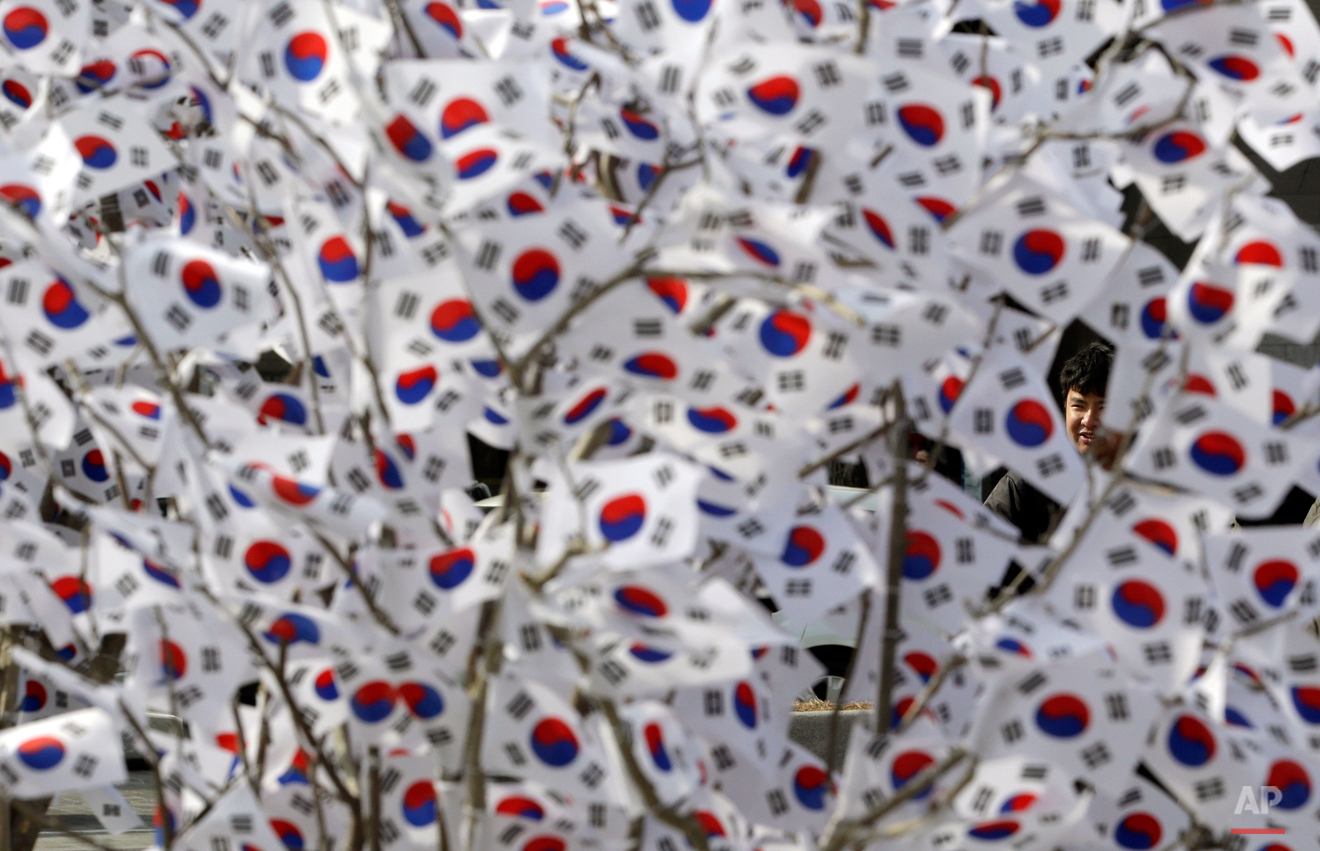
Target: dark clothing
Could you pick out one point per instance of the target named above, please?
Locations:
(1019, 503)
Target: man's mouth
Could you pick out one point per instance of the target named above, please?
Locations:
(1086, 437)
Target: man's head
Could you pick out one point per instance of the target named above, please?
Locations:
(1083, 378)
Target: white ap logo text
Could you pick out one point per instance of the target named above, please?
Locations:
(1247, 801)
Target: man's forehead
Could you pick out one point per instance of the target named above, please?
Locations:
(1073, 391)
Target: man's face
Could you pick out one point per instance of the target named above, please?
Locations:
(1083, 417)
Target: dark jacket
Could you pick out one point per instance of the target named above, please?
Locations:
(1019, 503)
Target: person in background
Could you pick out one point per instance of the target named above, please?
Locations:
(1085, 376)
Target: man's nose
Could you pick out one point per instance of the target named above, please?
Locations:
(1091, 417)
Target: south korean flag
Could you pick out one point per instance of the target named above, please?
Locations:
(256, 555)
(117, 144)
(410, 810)
(528, 806)
(1148, 610)
(638, 512)
(134, 417)
(947, 563)
(331, 254)
(893, 232)
(386, 473)
(1134, 302)
(1271, 256)
(1283, 144)
(319, 692)
(921, 655)
(798, 796)
(1204, 763)
(790, 89)
(1294, 391)
(1210, 306)
(934, 126)
(426, 317)
(1264, 573)
(1139, 814)
(664, 750)
(628, 334)
(906, 331)
(1206, 446)
(295, 52)
(39, 182)
(87, 468)
(677, 29)
(1015, 796)
(124, 577)
(459, 577)
(995, 65)
(801, 353)
(821, 562)
(877, 767)
(1182, 172)
(443, 30)
(425, 396)
(68, 752)
(1010, 412)
(1284, 662)
(530, 646)
(1235, 50)
(236, 817)
(1174, 524)
(523, 275)
(218, 29)
(738, 717)
(45, 36)
(186, 294)
(582, 407)
(455, 99)
(1081, 715)
(186, 660)
(400, 700)
(1048, 255)
(1053, 33)
(537, 735)
(48, 319)
(651, 667)
(1130, 95)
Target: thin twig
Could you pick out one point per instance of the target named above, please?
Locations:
(847, 680)
(839, 835)
(484, 664)
(864, 440)
(894, 568)
(928, 691)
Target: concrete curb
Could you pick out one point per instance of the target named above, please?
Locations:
(811, 730)
(90, 824)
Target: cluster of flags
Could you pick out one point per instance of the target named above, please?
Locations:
(676, 257)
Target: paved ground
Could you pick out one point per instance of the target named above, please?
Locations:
(134, 841)
(73, 814)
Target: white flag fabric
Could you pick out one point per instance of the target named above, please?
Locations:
(210, 293)
(1010, 411)
(1239, 463)
(1081, 715)
(74, 750)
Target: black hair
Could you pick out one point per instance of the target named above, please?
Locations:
(1088, 370)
